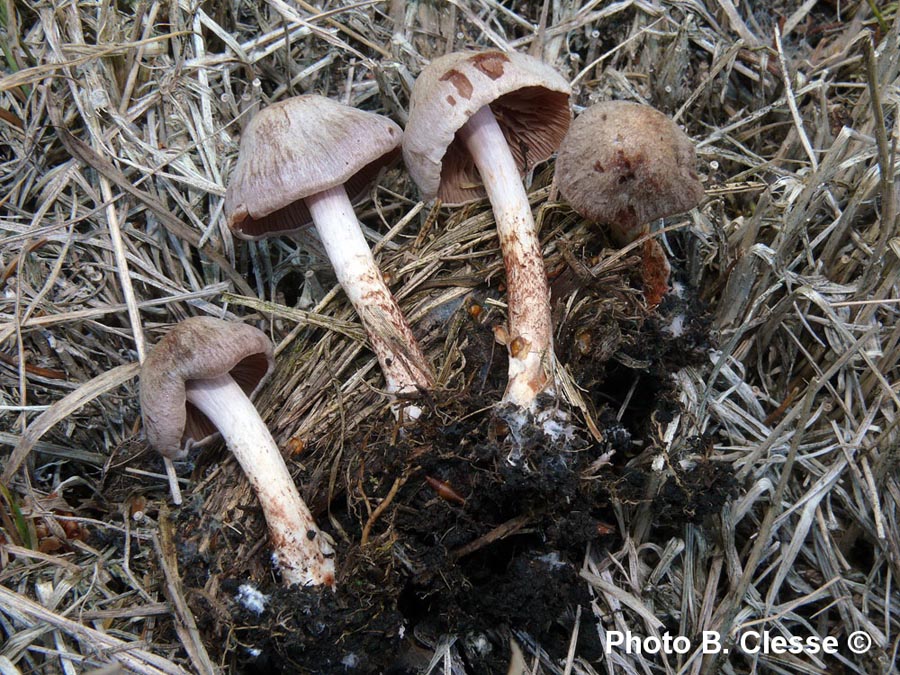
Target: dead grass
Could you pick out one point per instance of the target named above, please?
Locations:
(119, 128)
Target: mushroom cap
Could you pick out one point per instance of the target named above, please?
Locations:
(528, 97)
(195, 349)
(626, 164)
(298, 147)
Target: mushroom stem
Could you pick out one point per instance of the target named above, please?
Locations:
(530, 331)
(404, 366)
(303, 554)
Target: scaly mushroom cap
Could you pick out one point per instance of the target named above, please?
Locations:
(298, 147)
(195, 349)
(627, 164)
(529, 99)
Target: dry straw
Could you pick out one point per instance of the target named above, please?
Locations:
(119, 125)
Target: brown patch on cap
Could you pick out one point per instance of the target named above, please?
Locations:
(451, 100)
(490, 63)
(627, 218)
(529, 99)
(461, 82)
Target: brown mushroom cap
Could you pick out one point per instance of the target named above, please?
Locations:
(627, 164)
(195, 349)
(528, 97)
(299, 147)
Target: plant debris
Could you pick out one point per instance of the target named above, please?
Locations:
(724, 461)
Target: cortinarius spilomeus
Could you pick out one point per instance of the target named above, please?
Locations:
(478, 121)
(626, 164)
(301, 161)
(197, 381)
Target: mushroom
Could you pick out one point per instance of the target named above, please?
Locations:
(301, 161)
(625, 165)
(477, 122)
(198, 380)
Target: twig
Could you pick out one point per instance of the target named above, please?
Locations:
(502, 531)
(792, 102)
(887, 229)
(186, 626)
(380, 509)
(134, 314)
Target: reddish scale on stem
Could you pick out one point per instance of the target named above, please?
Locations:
(516, 113)
(625, 165)
(303, 160)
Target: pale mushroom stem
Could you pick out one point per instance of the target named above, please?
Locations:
(528, 296)
(404, 366)
(301, 550)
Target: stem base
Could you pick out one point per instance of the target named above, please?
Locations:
(302, 552)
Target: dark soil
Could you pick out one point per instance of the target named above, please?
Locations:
(487, 525)
(488, 520)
